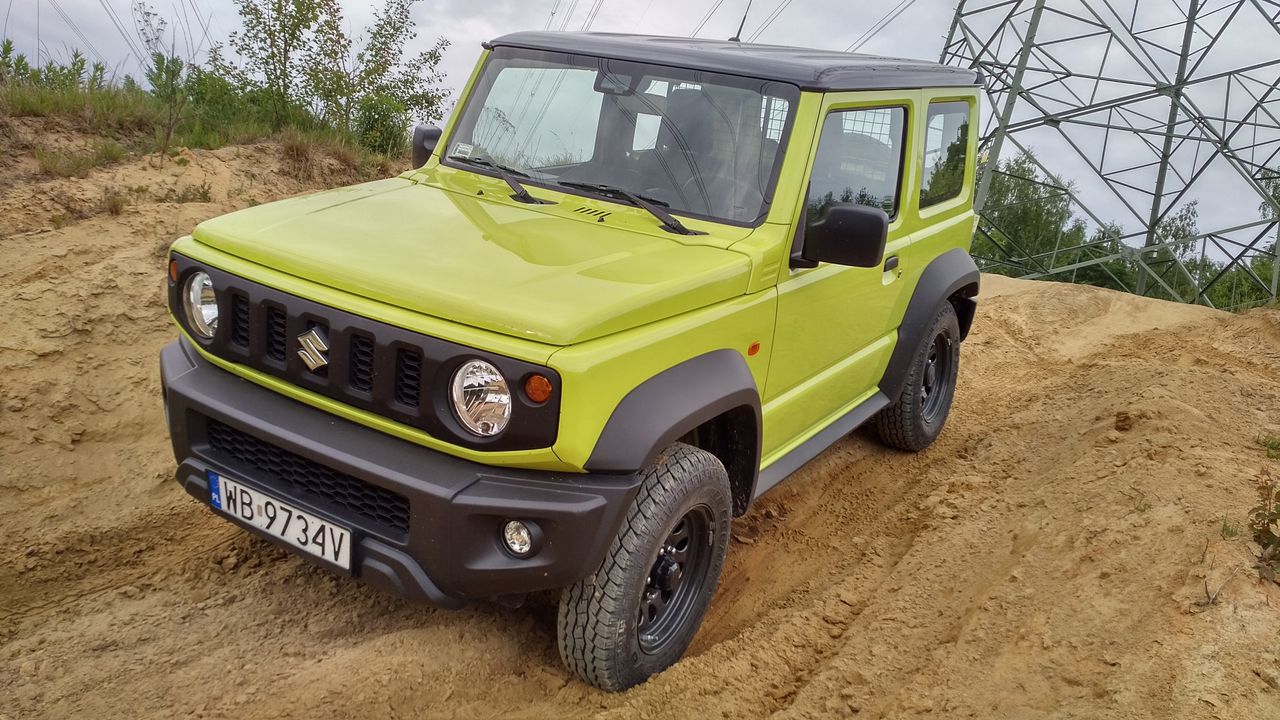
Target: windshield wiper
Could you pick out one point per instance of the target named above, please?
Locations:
(508, 175)
(652, 205)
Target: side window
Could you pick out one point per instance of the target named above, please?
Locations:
(946, 142)
(859, 160)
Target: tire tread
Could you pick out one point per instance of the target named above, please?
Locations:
(899, 425)
(591, 611)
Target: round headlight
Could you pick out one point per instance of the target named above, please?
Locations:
(481, 398)
(202, 304)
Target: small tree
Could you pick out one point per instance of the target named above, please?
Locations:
(276, 34)
(375, 90)
(168, 74)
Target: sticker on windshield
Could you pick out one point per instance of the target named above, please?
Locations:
(463, 150)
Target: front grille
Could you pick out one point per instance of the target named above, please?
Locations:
(370, 365)
(276, 338)
(299, 477)
(408, 376)
(361, 363)
(240, 320)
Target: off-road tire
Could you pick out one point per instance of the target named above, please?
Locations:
(904, 424)
(598, 621)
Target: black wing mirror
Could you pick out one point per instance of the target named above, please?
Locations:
(846, 234)
(425, 138)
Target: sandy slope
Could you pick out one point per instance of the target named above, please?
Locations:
(1047, 558)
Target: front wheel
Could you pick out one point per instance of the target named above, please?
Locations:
(915, 418)
(638, 612)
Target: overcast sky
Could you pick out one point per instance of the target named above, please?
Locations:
(831, 24)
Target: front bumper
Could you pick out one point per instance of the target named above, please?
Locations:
(444, 548)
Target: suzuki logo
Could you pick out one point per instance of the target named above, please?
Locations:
(313, 349)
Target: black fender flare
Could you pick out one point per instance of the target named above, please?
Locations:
(953, 276)
(671, 404)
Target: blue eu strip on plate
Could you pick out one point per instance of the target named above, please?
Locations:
(215, 494)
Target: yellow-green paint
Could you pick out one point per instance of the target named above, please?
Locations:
(446, 252)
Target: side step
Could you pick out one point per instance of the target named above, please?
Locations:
(811, 448)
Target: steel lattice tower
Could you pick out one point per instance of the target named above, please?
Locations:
(1134, 109)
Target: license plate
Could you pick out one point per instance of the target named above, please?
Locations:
(300, 529)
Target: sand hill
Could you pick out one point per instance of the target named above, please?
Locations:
(1048, 557)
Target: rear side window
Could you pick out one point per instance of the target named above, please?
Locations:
(859, 160)
(946, 143)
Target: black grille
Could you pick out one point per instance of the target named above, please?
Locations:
(303, 478)
(276, 321)
(408, 377)
(361, 363)
(370, 365)
(240, 320)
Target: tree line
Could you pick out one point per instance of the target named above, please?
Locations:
(1029, 227)
(292, 65)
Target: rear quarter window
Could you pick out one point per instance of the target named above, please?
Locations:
(946, 144)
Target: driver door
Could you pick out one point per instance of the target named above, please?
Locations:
(836, 325)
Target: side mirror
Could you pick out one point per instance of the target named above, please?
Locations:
(425, 138)
(847, 234)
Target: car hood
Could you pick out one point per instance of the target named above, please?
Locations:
(534, 272)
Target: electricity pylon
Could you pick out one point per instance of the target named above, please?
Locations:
(1130, 111)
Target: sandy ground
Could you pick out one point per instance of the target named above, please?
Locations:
(1048, 557)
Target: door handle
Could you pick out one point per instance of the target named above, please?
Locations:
(891, 264)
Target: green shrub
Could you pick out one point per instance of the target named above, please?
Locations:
(1264, 523)
(382, 125)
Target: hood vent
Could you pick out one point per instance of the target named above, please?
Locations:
(599, 215)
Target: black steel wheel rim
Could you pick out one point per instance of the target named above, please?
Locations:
(935, 380)
(675, 580)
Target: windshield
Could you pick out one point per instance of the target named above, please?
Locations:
(702, 144)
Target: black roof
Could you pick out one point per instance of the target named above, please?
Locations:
(808, 68)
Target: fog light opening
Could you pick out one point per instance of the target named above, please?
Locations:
(521, 538)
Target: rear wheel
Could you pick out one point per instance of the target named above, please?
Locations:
(915, 418)
(638, 612)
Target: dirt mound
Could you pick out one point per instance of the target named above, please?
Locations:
(1049, 557)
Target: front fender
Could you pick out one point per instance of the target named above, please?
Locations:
(671, 404)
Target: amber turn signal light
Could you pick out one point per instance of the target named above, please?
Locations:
(173, 271)
(537, 388)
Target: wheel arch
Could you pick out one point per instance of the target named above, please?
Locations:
(951, 277)
(710, 401)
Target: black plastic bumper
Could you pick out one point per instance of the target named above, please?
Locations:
(451, 551)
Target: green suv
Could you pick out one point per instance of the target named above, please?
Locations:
(635, 284)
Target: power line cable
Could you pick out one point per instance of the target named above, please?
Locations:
(707, 17)
(883, 23)
(75, 29)
(568, 15)
(591, 15)
(648, 6)
(119, 25)
(5, 33)
(777, 12)
(552, 16)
